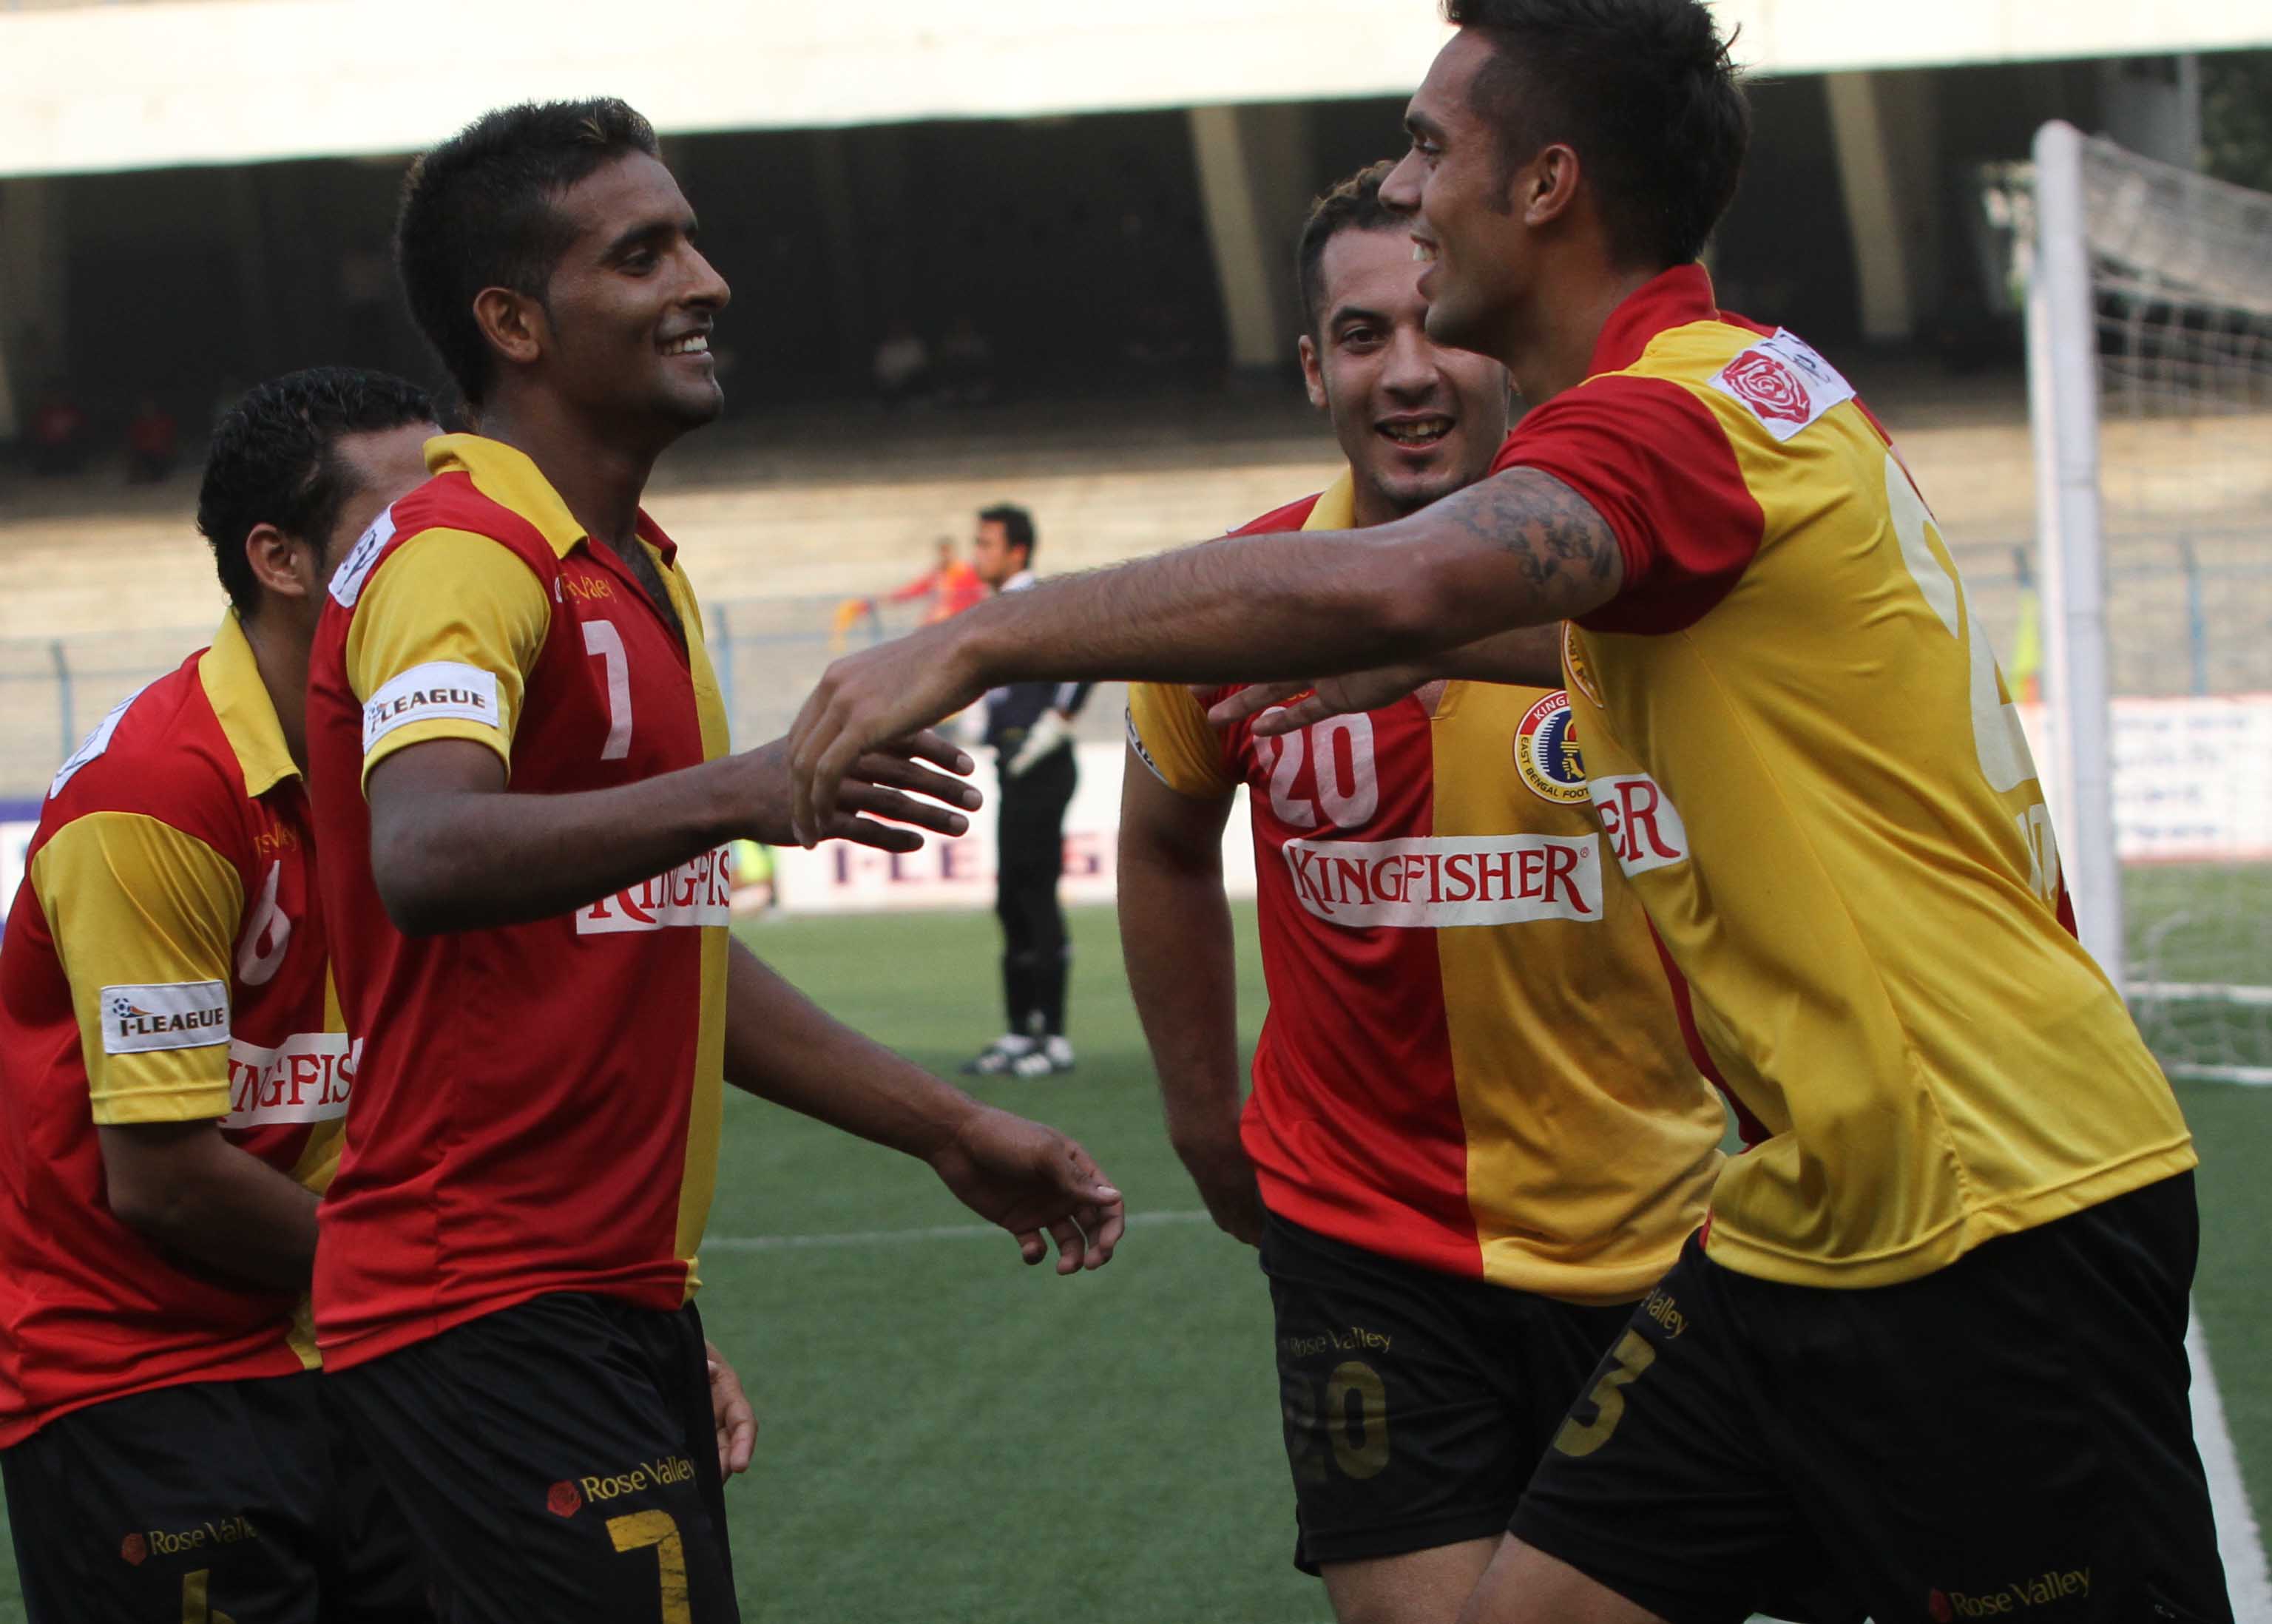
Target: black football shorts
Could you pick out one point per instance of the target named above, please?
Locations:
(2007, 1437)
(1416, 1402)
(211, 1502)
(557, 1462)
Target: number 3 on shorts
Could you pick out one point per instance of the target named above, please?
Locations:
(1632, 1355)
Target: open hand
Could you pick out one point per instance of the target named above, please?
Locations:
(1028, 1179)
(1298, 704)
(898, 781)
(730, 1414)
(864, 701)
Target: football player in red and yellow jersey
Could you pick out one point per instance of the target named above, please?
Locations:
(1930, 1346)
(174, 1078)
(1475, 1132)
(520, 760)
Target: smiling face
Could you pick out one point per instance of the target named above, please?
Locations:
(630, 304)
(1416, 420)
(1468, 223)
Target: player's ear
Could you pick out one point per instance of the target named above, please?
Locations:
(1543, 190)
(1313, 372)
(285, 566)
(513, 323)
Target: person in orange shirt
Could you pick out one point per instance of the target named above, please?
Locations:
(1929, 1349)
(952, 585)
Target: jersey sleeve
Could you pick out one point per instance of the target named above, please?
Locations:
(443, 642)
(1654, 462)
(145, 920)
(1169, 734)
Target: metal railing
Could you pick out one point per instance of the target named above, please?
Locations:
(2186, 618)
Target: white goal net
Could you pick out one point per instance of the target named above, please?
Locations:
(2163, 325)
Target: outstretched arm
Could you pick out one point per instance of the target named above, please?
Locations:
(1520, 549)
(1529, 657)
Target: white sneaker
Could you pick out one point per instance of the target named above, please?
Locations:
(1004, 1055)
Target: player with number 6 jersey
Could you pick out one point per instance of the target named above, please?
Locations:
(175, 1078)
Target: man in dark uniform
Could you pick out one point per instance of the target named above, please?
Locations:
(1030, 725)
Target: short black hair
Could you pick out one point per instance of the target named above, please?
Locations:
(273, 460)
(1644, 91)
(1017, 525)
(1353, 205)
(477, 212)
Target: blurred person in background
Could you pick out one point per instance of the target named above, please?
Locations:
(174, 1077)
(1029, 727)
(901, 367)
(1474, 1130)
(153, 443)
(523, 783)
(952, 585)
(59, 433)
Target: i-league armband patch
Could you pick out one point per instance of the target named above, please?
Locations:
(441, 690)
(145, 1017)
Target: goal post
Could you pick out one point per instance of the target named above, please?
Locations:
(2070, 562)
(2149, 322)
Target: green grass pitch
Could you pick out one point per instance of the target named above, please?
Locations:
(949, 1436)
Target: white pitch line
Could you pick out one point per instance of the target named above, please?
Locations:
(883, 1238)
(2240, 1542)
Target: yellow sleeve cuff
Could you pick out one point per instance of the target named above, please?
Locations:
(1169, 734)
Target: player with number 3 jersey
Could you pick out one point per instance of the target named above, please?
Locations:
(1930, 1350)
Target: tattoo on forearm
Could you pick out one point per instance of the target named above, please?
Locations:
(1559, 541)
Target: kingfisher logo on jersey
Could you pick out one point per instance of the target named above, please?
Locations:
(1546, 751)
(1443, 882)
(1643, 828)
(175, 1015)
(306, 1078)
(698, 892)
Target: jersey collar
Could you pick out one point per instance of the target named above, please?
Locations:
(1336, 506)
(247, 716)
(505, 476)
(1670, 299)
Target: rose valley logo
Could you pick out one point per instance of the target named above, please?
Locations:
(569, 1496)
(1772, 389)
(138, 1547)
(2020, 1596)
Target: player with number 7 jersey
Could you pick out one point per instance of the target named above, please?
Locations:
(474, 609)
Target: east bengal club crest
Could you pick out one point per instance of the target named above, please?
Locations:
(1546, 751)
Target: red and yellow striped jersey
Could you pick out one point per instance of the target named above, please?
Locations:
(164, 962)
(1471, 1061)
(1805, 760)
(537, 1106)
